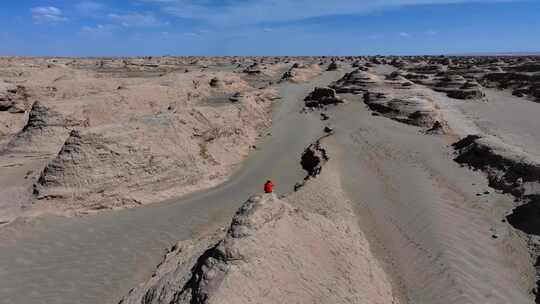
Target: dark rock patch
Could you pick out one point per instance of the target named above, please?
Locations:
(321, 97)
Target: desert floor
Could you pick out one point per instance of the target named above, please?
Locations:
(427, 226)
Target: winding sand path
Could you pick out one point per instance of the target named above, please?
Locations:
(419, 209)
(97, 259)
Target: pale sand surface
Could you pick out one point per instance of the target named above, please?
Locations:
(426, 217)
(428, 222)
(424, 208)
(98, 259)
(305, 248)
(516, 121)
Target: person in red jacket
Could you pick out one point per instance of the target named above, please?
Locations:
(268, 187)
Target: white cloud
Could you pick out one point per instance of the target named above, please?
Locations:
(241, 12)
(404, 34)
(99, 28)
(99, 31)
(431, 32)
(47, 14)
(89, 8)
(136, 20)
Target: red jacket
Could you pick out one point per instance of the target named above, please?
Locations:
(268, 187)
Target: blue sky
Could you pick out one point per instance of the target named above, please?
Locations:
(267, 27)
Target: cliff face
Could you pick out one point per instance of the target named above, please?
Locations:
(142, 132)
(151, 159)
(510, 170)
(44, 131)
(272, 253)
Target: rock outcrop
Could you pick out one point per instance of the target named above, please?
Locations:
(521, 84)
(215, 82)
(253, 69)
(508, 168)
(173, 274)
(333, 66)
(13, 98)
(456, 86)
(356, 82)
(398, 80)
(304, 248)
(465, 77)
(425, 68)
(123, 168)
(391, 98)
(45, 131)
(512, 171)
(153, 157)
(91, 164)
(301, 72)
(272, 253)
(413, 110)
(321, 97)
(313, 159)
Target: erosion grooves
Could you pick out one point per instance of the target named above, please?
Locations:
(98, 259)
(423, 210)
